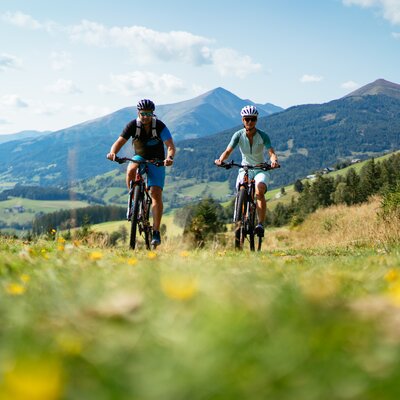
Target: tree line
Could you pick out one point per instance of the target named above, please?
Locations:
(46, 193)
(353, 188)
(67, 219)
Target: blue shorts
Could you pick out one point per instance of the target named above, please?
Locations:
(155, 175)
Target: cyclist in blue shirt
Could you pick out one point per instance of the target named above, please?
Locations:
(149, 135)
(252, 143)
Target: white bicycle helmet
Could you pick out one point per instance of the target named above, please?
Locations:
(249, 111)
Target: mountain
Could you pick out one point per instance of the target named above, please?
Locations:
(380, 86)
(22, 135)
(206, 114)
(75, 152)
(307, 138)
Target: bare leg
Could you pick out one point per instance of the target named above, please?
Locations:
(261, 203)
(156, 206)
(131, 174)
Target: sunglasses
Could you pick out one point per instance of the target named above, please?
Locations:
(250, 119)
(146, 114)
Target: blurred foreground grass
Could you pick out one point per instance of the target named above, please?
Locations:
(83, 323)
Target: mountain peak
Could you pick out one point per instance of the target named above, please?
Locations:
(380, 86)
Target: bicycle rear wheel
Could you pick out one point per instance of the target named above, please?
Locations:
(240, 211)
(135, 216)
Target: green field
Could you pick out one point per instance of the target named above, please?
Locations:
(33, 207)
(91, 323)
(313, 316)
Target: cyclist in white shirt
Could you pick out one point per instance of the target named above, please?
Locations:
(252, 143)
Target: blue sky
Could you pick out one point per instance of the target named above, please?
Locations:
(65, 62)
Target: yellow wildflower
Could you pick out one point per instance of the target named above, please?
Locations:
(96, 255)
(394, 293)
(392, 275)
(132, 261)
(151, 255)
(15, 289)
(61, 240)
(184, 254)
(60, 247)
(179, 288)
(33, 380)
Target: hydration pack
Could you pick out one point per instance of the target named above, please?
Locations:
(153, 128)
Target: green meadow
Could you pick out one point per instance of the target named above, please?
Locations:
(315, 315)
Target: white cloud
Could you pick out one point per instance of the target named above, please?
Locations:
(60, 61)
(390, 9)
(21, 20)
(139, 82)
(26, 21)
(311, 78)
(3, 121)
(13, 100)
(230, 62)
(8, 61)
(149, 46)
(350, 85)
(64, 86)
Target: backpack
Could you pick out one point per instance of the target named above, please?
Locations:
(153, 129)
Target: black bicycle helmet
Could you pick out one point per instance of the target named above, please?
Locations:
(146, 104)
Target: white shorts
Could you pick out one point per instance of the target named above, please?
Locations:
(259, 177)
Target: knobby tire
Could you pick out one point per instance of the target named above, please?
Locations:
(135, 215)
(250, 226)
(240, 212)
(147, 228)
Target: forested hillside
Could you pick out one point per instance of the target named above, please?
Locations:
(307, 138)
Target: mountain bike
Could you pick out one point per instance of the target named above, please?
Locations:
(245, 211)
(139, 202)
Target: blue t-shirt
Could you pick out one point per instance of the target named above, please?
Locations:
(251, 153)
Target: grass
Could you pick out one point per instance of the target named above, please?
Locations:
(87, 323)
(310, 317)
(173, 230)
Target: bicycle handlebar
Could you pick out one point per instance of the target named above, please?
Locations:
(122, 160)
(264, 166)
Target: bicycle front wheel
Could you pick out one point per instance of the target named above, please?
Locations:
(147, 228)
(251, 225)
(240, 212)
(135, 216)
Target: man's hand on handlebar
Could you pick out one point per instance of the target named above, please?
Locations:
(218, 162)
(275, 164)
(168, 162)
(111, 156)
